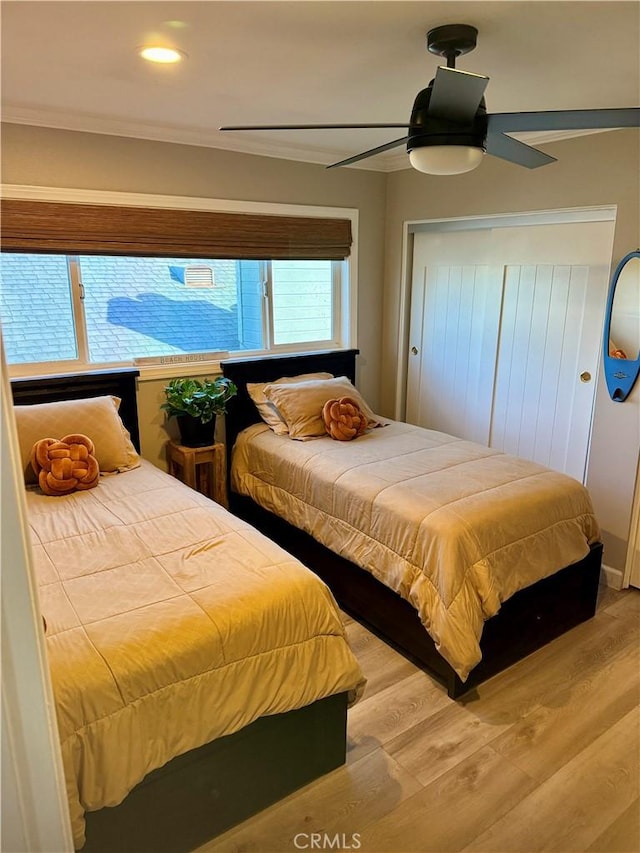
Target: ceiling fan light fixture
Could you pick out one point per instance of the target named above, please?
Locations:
(446, 159)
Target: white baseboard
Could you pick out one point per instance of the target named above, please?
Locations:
(612, 577)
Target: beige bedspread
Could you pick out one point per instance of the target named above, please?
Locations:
(170, 623)
(454, 527)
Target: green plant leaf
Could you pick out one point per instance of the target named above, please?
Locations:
(201, 399)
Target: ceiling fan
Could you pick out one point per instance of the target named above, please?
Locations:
(450, 130)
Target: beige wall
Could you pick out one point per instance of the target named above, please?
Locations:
(57, 158)
(600, 169)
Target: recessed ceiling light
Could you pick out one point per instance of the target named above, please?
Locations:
(161, 54)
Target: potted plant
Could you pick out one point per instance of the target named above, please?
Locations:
(195, 404)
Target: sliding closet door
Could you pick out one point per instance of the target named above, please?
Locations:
(456, 311)
(542, 409)
(456, 298)
(505, 337)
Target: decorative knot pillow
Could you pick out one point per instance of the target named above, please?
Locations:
(65, 466)
(343, 419)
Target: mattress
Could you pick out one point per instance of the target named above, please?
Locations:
(453, 527)
(170, 623)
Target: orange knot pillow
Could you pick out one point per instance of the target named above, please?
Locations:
(343, 419)
(66, 465)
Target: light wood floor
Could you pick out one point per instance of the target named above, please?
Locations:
(545, 756)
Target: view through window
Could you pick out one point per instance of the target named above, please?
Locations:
(99, 309)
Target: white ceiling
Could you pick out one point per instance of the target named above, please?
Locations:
(74, 65)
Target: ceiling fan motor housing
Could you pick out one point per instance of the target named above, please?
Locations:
(427, 129)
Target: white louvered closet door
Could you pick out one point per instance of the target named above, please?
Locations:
(504, 348)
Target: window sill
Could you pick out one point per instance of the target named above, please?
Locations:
(149, 372)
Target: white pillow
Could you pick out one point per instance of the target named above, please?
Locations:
(301, 404)
(95, 417)
(268, 410)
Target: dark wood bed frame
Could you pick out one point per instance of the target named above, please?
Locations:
(206, 791)
(527, 621)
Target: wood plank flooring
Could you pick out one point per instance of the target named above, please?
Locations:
(545, 756)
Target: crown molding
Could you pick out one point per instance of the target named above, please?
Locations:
(240, 144)
(542, 136)
(181, 135)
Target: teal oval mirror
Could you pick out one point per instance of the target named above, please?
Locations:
(622, 328)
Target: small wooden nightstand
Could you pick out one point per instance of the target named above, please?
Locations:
(202, 468)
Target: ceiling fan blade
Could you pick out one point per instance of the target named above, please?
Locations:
(308, 126)
(564, 120)
(515, 151)
(456, 94)
(369, 153)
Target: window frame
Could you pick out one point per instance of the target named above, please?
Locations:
(344, 284)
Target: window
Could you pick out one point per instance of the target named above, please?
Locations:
(303, 301)
(93, 279)
(99, 309)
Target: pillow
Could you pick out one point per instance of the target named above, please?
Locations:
(94, 416)
(267, 410)
(65, 466)
(301, 404)
(343, 419)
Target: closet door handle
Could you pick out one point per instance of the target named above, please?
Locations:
(414, 350)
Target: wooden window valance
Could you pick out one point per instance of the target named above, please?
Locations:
(99, 229)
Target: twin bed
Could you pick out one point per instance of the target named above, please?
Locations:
(200, 670)
(415, 530)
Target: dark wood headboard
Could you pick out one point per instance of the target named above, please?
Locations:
(75, 386)
(241, 409)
